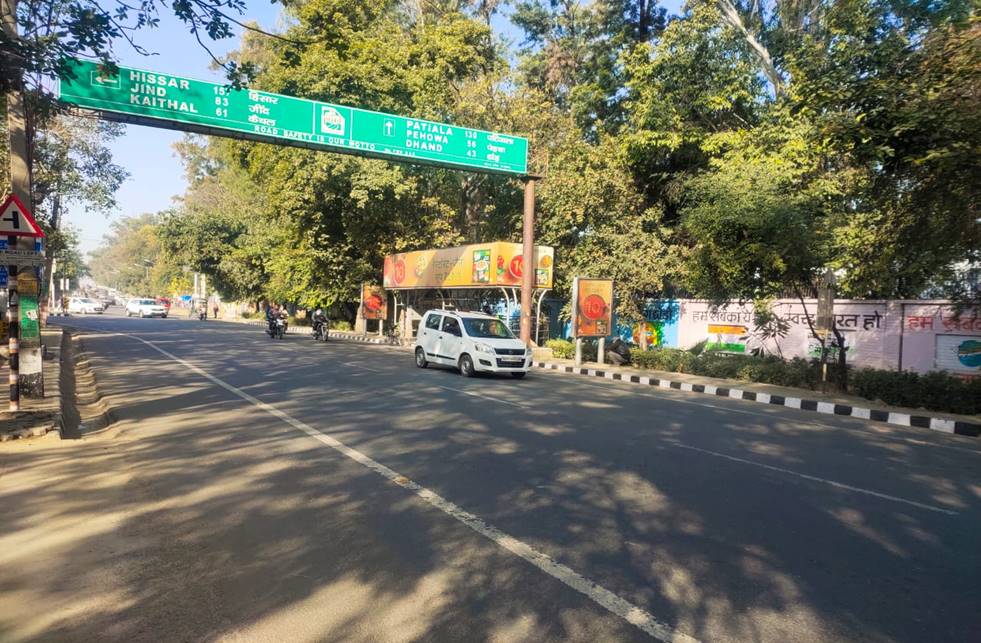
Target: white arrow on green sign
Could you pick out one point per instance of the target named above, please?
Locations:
(196, 105)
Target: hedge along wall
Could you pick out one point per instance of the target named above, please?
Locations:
(920, 336)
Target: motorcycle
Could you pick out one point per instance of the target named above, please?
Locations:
(277, 328)
(320, 331)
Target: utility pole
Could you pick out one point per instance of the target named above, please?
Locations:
(25, 366)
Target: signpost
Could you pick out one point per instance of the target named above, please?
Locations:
(592, 312)
(22, 310)
(162, 100)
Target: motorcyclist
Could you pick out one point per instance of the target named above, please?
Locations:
(319, 319)
(271, 314)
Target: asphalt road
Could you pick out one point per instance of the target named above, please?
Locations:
(289, 490)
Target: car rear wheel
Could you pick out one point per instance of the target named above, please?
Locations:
(466, 366)
(421, 358)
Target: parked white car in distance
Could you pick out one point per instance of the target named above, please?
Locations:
(145, 308)
(84, 306)
(472, 342)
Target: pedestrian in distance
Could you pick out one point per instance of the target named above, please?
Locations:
(214, 309)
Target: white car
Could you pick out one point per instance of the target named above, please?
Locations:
(145, 308)
(84, 306)
(472, 342)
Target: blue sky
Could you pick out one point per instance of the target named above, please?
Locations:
(156, 175)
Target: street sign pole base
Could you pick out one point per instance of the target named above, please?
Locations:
(31, 386)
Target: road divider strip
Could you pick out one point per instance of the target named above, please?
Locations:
(828, 408)
(334, 334)
(603, 597)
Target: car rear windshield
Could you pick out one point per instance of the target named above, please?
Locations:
(487, 328)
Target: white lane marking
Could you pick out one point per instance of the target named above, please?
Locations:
(621, 607)
(839, 485)
(481, 395)
(362, 367)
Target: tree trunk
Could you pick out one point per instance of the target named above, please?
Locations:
(731, 15)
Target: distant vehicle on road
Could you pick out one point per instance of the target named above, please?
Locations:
(473, 342)
(165, 302)
(85, 306)
(145, 308)
(277, 328)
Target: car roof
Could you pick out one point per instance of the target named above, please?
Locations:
(464, 314)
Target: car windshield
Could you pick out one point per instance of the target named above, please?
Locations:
(86, 301)
(147, 302)
(487, 328)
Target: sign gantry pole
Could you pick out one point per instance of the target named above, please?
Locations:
(528, 258)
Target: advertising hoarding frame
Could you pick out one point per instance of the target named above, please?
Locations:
(368, 291)
(577, 284)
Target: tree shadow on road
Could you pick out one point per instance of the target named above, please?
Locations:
(207, 518)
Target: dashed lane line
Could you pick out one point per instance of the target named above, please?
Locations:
(833, 483)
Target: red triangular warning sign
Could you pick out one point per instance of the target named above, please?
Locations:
(16, 220)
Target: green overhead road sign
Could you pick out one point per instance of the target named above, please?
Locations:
(179, 103)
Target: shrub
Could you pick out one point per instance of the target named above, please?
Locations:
(561, 348)
(340, 324)
(937, 391)
(671, 360)
(724, 366)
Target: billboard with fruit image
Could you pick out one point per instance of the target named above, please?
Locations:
(592, 311)
(374, 302)
(479, 265)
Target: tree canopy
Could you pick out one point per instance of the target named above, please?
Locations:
(736, 150)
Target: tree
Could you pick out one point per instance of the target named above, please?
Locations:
(130, 258)
(572, 52)
(53, 32)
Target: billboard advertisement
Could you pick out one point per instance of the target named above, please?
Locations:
(374, 302)
(479, 265)
(592, 311)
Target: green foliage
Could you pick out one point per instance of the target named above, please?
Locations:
(341, 324)
(759, 221)
(936, 391)
(54, 31)
(131, 260)
(561, 348)
(735, 151)
(749, 368)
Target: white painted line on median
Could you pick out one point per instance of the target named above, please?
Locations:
(600, 595)
(839, 485)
